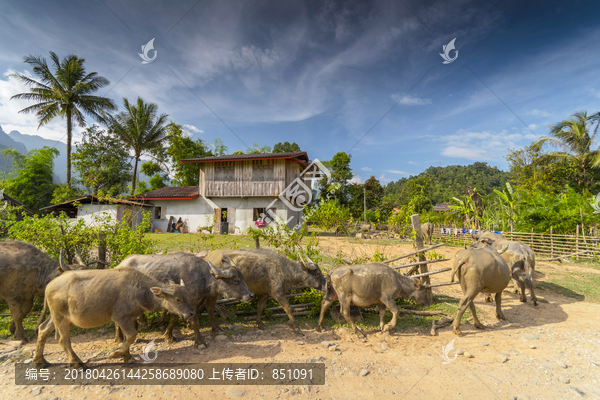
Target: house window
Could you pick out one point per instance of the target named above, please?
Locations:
(160, 212)
(258, 212)
(262, 170)
(224, 171)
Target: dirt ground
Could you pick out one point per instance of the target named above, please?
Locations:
(547, 352)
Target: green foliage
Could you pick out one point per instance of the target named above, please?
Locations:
(286, 147)
(101, 162)
(218, 147)
(278, 235)
(257, 149)
(64, 193)
(31, 181)
(327, 215)
(182, 147)
(378, 256)
(341, 173)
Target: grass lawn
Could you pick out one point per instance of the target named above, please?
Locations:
(176, 242)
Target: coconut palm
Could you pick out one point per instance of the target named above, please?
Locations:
(573, 140)
(65, 91)
(141, 129)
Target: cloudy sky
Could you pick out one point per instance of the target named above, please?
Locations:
(361, 77)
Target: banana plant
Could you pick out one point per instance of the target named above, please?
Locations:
(466, 206)
(508, 200)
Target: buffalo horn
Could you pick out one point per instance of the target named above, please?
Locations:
(167, 291)
(218, 272)
(62, 264)
(181, 283)
(310, 264)
(78, 258)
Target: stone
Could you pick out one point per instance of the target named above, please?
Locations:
(285, 390)
(364, 372)
(530, 337)
(561, 364)
(468, 355)
(332, 348)
(202, 346)
(326, 344)
(484, 343)
(532, 347)
(220, 338)
(28, 361)
(103, 331)
(460, 352)
(125, 394)
(36, 392)
(564, 380)
(353, 373)
(577, 391)
(236, 392)
(300, 342)
(236, 327)
(115, 389)
(522, 397)
(502, 359)
(383, 347)
(395, 371)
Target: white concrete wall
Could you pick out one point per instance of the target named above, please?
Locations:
(90, 213)
(199, 212)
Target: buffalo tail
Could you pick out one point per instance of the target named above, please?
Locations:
(42, 316)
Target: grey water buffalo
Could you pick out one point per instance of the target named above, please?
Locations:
(268, 273)
(204, 282)
(25, 271)
(363, 285)
(479, 271)
(91, 298)
(427, 231)
(520, 259)
(487, 234)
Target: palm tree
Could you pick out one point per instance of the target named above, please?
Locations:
(66, 91)
(574, 142)
(140, 129)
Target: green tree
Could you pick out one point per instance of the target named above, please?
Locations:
(286, 147)
(141, 129)
(66, 91)
(257, 149)
(182, 147)
(341, 173)
(573, 140)
(31, 182)
(102, 162)
(218, 147)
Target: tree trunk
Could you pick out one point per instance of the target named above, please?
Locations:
(133, 181)
(69, 136)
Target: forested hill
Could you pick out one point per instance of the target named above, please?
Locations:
(451, 181)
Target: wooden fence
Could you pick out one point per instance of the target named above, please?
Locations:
(546, 245)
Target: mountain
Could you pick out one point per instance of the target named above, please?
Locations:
(6, 142)
(35, 142)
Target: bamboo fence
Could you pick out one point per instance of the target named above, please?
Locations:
(544, 245)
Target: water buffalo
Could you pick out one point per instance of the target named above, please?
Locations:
(479, 271)
(427, 231)
(204, 282)
(487, 234)
(520, 259)
(25, 271)
(91, 298)
(363, 285)
(268, 273)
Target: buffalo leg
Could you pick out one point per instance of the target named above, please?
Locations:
(211, 304)
(382, 311)
(118, 334)
(345, 310)
(531, 292)
(17, 320)
(499, 313)
(62, 325)
(476, 322)
(162, 317)
(262, 302)
(391, 304)
(462, 307)
(44, 330)
(328, 299)
(168, 335)
(198, 339)
(127, 325)
(488, 297)
(283, 302)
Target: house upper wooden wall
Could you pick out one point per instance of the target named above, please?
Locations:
(236, 179)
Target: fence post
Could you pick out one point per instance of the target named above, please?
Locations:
(531, 241)
(577, 241)
(102, 251)
(511, 235)
(551, 244)
(416, 224)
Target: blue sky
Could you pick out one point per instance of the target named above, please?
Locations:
(324, 74)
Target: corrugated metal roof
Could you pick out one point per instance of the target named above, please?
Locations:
(175, 192)
(300, 155)
(89, 199)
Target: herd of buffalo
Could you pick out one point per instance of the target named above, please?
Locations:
(181, 283)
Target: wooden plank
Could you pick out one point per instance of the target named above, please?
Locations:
(419, 263)
(431, 272)
(416, 224)
(443, 284)
(413, 253)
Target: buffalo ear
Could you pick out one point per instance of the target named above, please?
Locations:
(156, 290)
(417, 282)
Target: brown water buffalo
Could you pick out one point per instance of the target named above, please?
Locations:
(25, 271)
(91, 298)
(479, 271)
(203, 281)
(427, 231)
(363, 285)
(268, 273)
(520, 259)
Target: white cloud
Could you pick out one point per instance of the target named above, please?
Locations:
(357, 179)
(539, 113)
(395, 171)
(409, 100)
(482, 146)
(366, 169)
(411, 162)
(192, 128)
